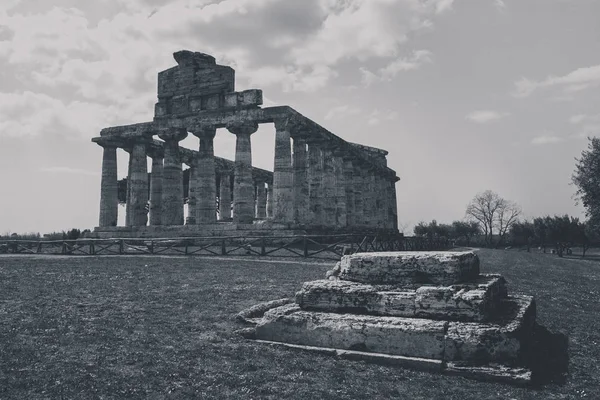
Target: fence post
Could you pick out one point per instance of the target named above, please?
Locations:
(263, 251)
(121, 246)
(92, 249)
(151, 246)
(223, 249)
(305, 245)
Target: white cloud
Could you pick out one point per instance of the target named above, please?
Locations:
(33, 114)
(579, 118)
(377, 116)
(577, 80)
(401, 64)
(485, 116)
(500, 4)
(341, 112)
(546, 139)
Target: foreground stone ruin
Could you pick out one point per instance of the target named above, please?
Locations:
(427, 310)
(320, 182)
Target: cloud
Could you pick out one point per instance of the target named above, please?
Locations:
(546, 139)
(33, 114)
(579, 118)
(73, 71)
(401, 64)
(485, 116)
(377, 116)
(341, 112)
(577, 80)
(499, 4)
(67, 170)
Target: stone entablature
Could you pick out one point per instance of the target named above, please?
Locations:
(320, 181)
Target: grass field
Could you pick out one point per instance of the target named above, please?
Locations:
(162, 327)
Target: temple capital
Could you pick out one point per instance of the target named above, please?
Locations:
(203, 131)
(173, 134)
(242, 128)
(109, 142)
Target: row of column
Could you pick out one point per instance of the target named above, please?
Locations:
(166, 182)
(317, 184)
(321, 185)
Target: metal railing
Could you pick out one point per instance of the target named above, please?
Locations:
(307, 246)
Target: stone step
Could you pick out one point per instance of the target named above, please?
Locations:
(474, 301)
(500, 341)
(405, 268)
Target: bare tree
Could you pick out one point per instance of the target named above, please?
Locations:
(492, 212)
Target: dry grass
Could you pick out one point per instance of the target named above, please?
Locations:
(154, 327)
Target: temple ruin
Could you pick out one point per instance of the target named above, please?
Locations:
(325, 184)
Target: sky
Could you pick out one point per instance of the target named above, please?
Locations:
(466, 95)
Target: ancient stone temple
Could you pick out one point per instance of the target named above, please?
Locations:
(320, 182)
(426, 310)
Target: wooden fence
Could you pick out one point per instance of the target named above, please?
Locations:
(307, 246)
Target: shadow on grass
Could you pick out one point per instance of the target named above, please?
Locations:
(548, 356)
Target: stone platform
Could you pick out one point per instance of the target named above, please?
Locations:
(228, 229)
(429, 306)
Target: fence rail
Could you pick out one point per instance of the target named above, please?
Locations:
(307, 246)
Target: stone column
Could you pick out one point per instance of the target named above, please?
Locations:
(138, 183)
(172, 196)
(270, 201)
(341, 217)
(109, 188)
(261, 200)
(315, 183)
(243, 188)
(225, 197)
(359, 189)
(301, 190)
(394, 205)
(329, 188)
(128, 213)
(349, 183)
(369, 198)
(206, 212)
(156, 179)
(193, 191)
(283, 178)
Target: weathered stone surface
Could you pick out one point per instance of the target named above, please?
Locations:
(409, 337)
(250, 315)
(500, 341)
(301, 189)
(463, 302)
(156, 179)
(440, 268)
(243, 187)
(343, 296)
(206, 193)
(283, 178)
(261, 200)
(467, 302)
(138, 184)
(109, 196)
(225, 197)
(315, 182)
(328, 189)
(172, 197)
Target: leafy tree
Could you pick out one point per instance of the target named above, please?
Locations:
(587, 180)
(522, 233)
(467, 230)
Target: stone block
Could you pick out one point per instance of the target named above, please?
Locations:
(352, 297)
(404, 268)
(462, 302)
(252, 97)
(500, 341)
(230, 100)
(408, 337)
